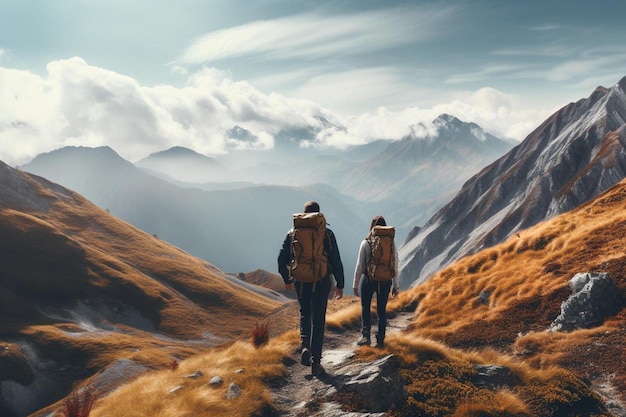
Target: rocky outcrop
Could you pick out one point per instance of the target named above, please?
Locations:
(594, 298)
(572, 157)
(377, 384)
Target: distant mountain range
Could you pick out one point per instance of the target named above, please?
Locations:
(573, 156)
(239, 230)
(239, 226)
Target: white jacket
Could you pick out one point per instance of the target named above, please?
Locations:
(365, 252)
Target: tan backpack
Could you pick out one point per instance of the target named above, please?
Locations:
(380, 265)
(309, 262)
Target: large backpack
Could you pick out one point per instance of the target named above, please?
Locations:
(380, 265)
(309, 262)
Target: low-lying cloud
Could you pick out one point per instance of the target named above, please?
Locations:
(82, 105)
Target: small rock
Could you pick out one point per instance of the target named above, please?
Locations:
(483, 297)
(174, 389)
(216, 380)
(195, 375)
(233, 391)
(494, 377)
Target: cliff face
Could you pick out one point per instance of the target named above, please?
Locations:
(573, 156)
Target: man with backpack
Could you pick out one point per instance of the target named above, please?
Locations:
(307, 259)
(376, 271)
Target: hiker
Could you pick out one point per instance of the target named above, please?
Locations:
(376, 271)
(312, 281)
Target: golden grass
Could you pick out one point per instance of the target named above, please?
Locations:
(440, 383)
(524, 279)
(502, 404)
(171, 393)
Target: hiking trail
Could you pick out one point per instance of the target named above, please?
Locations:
(303, 395)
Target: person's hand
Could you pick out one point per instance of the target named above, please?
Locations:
(289, 286)
(332, 292)
(338, 293)
(394, 292)
(356, 291)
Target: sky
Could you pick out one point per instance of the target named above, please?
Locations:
(142, 76)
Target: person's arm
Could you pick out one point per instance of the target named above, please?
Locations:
(396, 287)
(284, 258)
(359, 269)
(335, 262)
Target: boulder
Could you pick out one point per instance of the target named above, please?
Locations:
(594, 298)
(378, 384)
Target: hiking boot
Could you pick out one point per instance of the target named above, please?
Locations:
(364, 340)
(305, 357)
(380, 343)
(317, 369)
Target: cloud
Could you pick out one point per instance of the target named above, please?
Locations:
(354, 89)
(314, 35)
(83, 105)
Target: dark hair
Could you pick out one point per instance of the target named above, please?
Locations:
(378, 221)
(311, 207)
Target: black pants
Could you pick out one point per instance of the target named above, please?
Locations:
(313, 299)
(382, 289)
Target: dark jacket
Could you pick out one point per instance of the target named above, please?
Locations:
(330, 248)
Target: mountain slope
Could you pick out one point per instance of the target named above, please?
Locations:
(414, 176)
(81, 289)
(573, 156)
(506, 296)
(237, 230)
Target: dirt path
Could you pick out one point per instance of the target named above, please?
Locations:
(303, 395)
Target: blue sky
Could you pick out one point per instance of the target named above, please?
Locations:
(183, 72)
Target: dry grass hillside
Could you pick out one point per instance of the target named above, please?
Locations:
(80, 289)
(526, 279)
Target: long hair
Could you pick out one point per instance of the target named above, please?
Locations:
(378, 221)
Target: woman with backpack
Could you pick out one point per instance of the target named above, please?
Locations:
(376, 271)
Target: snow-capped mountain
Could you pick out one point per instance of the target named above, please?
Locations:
(573, 156)
(414, 176)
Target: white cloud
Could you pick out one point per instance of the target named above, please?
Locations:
(314, 35)
(82, 105)
(491, 109)
(353, 89)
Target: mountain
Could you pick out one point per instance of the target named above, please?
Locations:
(406, 180)
(81, 290)
(573, 156)
(238, 230)
(184, 165)
(414, 176)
